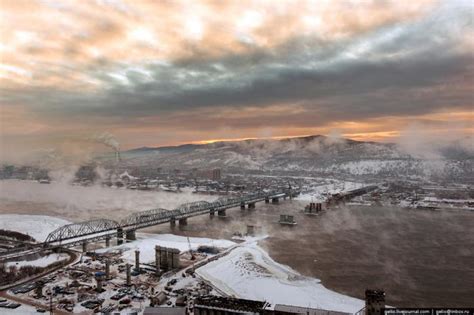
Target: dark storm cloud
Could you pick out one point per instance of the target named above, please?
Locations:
(402, 69)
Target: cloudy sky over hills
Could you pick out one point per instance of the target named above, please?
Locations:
(169, 72)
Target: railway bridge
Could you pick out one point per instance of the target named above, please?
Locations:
(76, 234)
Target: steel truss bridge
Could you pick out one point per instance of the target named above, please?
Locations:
(79, 233)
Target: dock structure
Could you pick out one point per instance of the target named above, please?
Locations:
(287, 219)
(313, 208)
(346, 196)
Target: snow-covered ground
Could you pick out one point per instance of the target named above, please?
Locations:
(22, 310)
(146, 243)
(40, 262)
(376, 166)
(36, 226)
(249, 272)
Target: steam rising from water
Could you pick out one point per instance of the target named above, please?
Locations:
(78, 203)
(421, 143)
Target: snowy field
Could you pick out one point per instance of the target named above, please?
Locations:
(40, 262)
(373, 167)
(146, 243)
(36, 226)
(22, 310)
(249, 272)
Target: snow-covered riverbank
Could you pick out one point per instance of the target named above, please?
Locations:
(36, 226)
(249, 272)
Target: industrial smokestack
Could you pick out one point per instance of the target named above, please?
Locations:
(117, 156)
(109, 140)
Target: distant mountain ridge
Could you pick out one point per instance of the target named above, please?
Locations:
(316, 155)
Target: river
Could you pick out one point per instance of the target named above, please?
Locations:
(420, 258)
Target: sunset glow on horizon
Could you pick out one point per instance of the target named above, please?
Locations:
(156, 73)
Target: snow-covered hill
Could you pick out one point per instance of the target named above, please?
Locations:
(312, 154)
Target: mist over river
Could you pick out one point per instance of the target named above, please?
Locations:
(420, 258)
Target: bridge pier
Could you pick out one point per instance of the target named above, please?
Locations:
(98, 280)
(221, 213)
(172, 222)
(169, 256)
(119, 236)
(137, 260)
(129, 276)
(275, 200)
(267, 200)
(251, 205)
(157, 258)
(84, 247)
(130, 235)
(107, 241)
(107, 269)
(183, 221)
(212, 212)
(242, 205)
(163, 258)
(174, 253)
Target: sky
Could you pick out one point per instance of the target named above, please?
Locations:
(153, 73)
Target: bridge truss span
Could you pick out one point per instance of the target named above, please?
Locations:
(82, 229)
(75, 233)
(145, 218)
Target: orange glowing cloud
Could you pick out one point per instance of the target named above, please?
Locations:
(51, 43)
(168, 72)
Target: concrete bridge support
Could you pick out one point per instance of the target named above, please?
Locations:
(172, 222)
(242, 205)
(131, 235)
(99, 280)
(39, 289)
(267, 200)
(175, 257)
(212, 212)
(84, 247)
(107, 241)
(169, 257)
(157, 258)
(275, 200)
(163, 258)
(129, 275)
(107, 269)
(251, 205)
(119, 236)
(137, 260)
(221, 213)
(183, 221)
